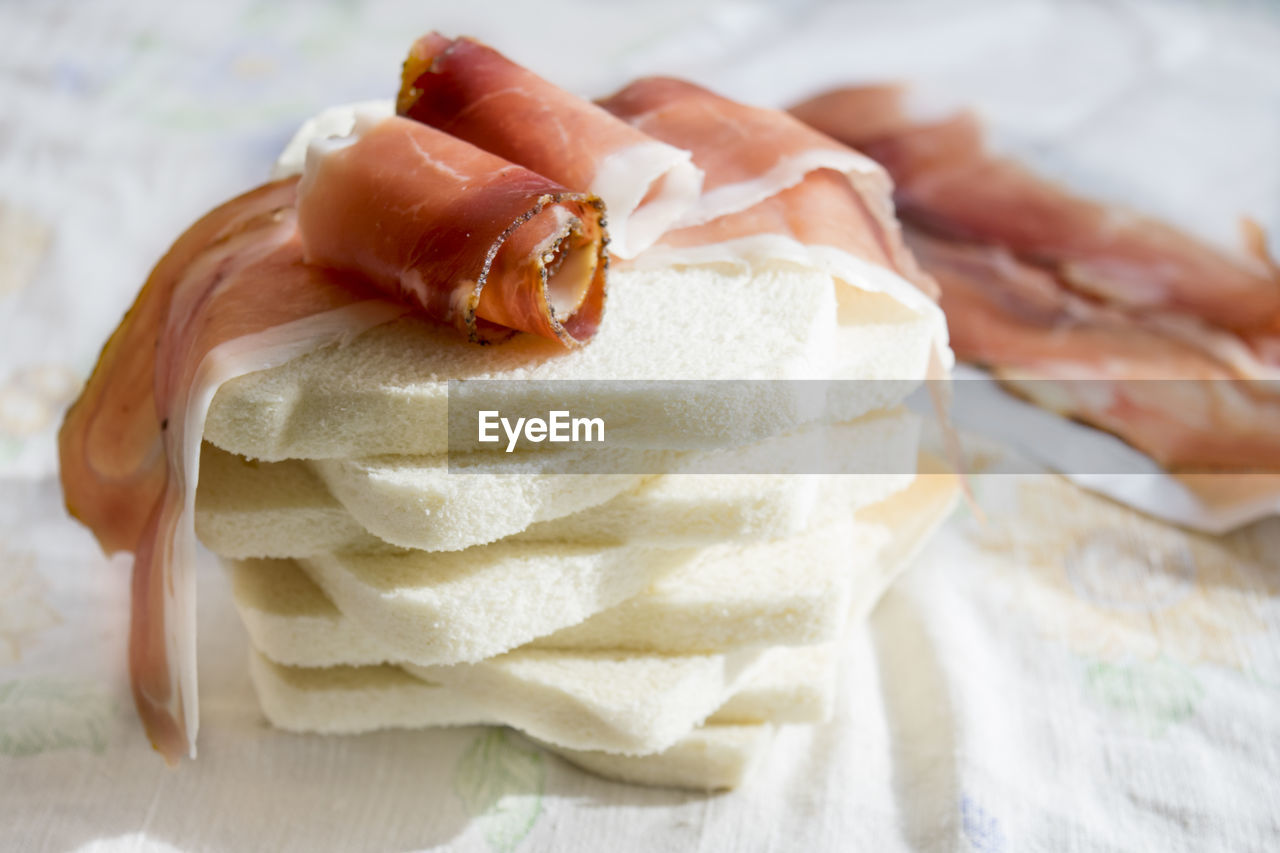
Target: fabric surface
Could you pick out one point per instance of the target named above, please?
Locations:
(1056, 672)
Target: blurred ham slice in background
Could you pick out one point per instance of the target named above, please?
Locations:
(1081, 307)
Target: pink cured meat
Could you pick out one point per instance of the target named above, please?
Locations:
(1166, 397)
(475, 93)
(775, 189)
(1038, 283)
(947, 183)
(465, 236)
(232, 296)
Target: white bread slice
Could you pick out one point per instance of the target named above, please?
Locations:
(347, 700)
(792, 685)
(786, 685)
(462, 606)
(778, 596)
(635, 705)
(789, 591)
(386, 391)
(709, 758)
(794, 591)
(421, 502)
(247, 508)
(610, 701)
(432, 504)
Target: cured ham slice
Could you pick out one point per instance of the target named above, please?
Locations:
(232, 296)
(1039, 284)
(475, 93)
(775, 190)
(460, 233)
(1182, 407)
(948, 184)
(748, 154)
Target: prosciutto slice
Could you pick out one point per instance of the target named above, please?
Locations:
(776, 190)
(460, 233)
(475, 93)
(232, 296)
(748, 154)
(1179, 405)
(948, 184)
(1040, 284)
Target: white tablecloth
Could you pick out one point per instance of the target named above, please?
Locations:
(1061, 674)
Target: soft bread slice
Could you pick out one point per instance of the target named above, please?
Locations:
(787, 685)
(793, 685)
(780, 597)
(437, 503)
(793, 591)
(785, 593)
(611, 701)
(428, 504)
(631, 705)
(348, 700)
(386, 391)
(250, 509)
(246, 508)
(709, 758)
(789, 591)
(461, 606)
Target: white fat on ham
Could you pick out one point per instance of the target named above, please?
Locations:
(646, 189)
(223, 363)
(786, 173)
(331, 123)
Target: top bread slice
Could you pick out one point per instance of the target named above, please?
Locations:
(387, 391)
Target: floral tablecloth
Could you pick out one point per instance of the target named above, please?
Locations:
(1056, 672)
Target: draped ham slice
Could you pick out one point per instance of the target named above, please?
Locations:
(948, 184)
(1040, 284)
(748, 154)
(475, 93)
(460, 233)
(1179, 405)
(232, 296)
(809, 200)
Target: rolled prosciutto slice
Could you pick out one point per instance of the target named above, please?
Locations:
(475, 93)
(461, 234)
(947, 183)
(230, 297)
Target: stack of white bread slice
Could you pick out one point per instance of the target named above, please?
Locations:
(649, 627)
